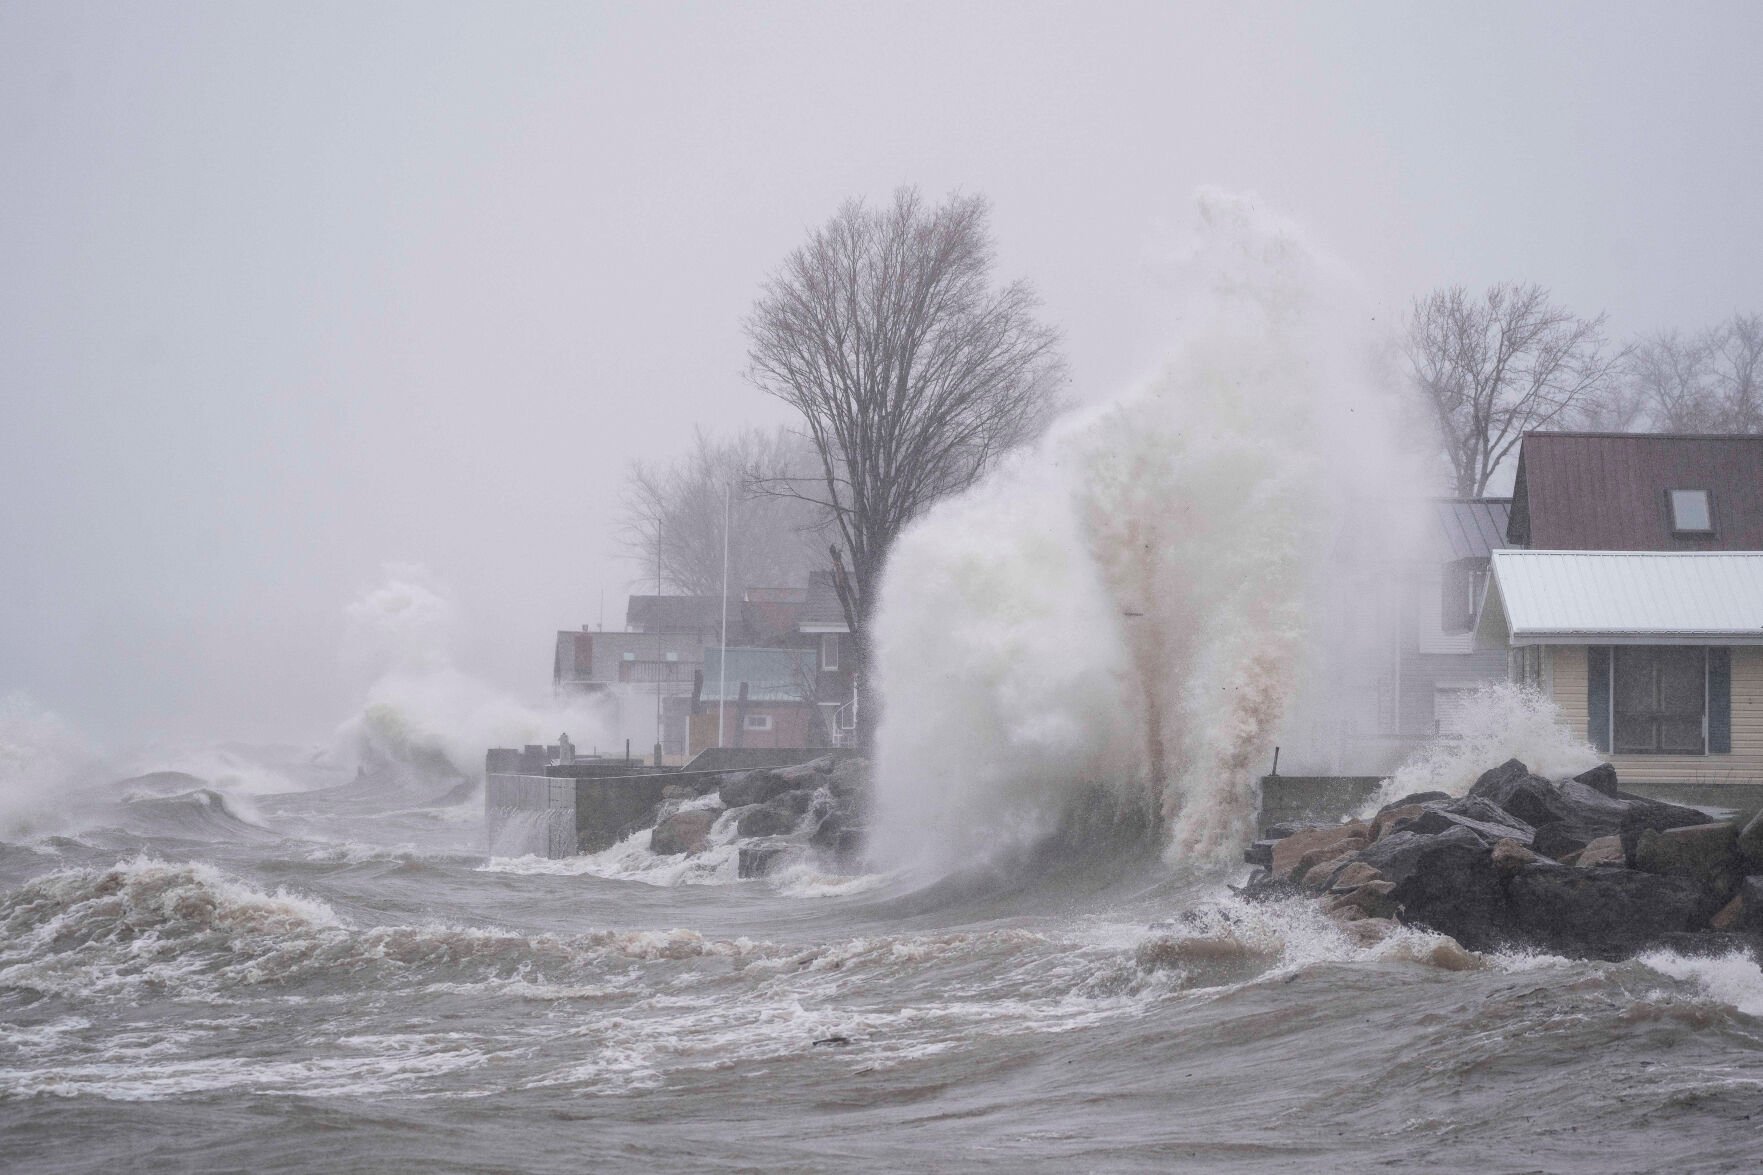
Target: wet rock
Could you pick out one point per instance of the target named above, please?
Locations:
(758, 860)
(1472, 812)
(1344, 913)
(1374, 899)
(1356, 874)
(1750, 899)
(751, 787)
(773, 819)
(1447, 882)
(1321, 875)
(1500, 784)
(1730, 915)
(1606, 850)
(1601, 778)
(1601, 913)
(1707, 854)
(1259, 853)
(1303, 849)
(1284, 829)
(1420, 798)
(849, 777)
(683, 832)
(1750, 844)
(1395, 818)
(1509, 856)
(1369, 931)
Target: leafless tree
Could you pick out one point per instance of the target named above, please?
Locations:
(676, 510)
(1495, 366)
(1710, 381)
(912, 373)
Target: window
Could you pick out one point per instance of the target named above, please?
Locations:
(1691, 512)
(673, 656)
(756, 722)
(1658, 695)
(829, 650)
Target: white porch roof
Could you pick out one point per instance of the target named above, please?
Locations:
(1623, 597)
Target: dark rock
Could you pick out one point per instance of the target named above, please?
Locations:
(1601, 913)
(1356, 874)
(849, 777)
(1750, 844)
(1471, 812)
(1704, 853)
(773, 819)
(1644, 814)
(1447, 882)
(1750, 897)
(1398, 855)
(1259, 853)
(1601, 778)
(1321, 875)
(1374, 899)
(758, 860)
(751, 787)
(1419, 797)
(1284, 829)
(683, 832)
(1499, 783)
(826, 834)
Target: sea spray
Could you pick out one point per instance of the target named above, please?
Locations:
(1131, 603)
(421, 711)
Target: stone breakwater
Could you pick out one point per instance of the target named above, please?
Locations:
(818, 809)
(1571, 866)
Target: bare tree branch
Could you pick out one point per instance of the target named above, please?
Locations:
(912, 373)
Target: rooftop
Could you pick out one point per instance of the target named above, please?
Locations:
(1623, 597)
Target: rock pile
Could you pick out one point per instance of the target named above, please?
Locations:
(823, 804)
(1571, 866)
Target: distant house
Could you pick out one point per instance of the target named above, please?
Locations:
(1440, 662)
(757, 698)
(1634, 598)
(821, 626)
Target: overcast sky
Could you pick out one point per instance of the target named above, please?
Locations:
(291, 291)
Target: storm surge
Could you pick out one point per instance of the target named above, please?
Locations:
(1124, 616)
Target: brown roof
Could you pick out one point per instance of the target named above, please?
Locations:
(1608, 491)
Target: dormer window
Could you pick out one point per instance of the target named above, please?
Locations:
(1691, 512)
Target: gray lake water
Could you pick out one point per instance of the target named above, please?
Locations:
(339, 980)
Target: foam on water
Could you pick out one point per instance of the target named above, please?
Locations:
(1734, 979)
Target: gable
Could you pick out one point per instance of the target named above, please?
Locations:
(1609, 491)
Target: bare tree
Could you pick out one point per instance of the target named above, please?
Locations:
(1494, 367)
(676, 511)
(1707, 382)
(912, 373)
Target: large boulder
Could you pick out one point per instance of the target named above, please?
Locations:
(1301, 850)
(752, 787)
(683, 832)
(1447, 881)
(1707, 854)
(773, 819)
(1602, 913)
(1478, 815)
(1569, 815)
(1750, 844)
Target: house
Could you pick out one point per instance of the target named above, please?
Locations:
(757, 698)
(1439, 661)
(1633, 597)
(821, 626)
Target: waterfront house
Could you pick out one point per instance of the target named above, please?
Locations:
(1632, 596)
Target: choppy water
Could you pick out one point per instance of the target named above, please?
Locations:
(339, 980)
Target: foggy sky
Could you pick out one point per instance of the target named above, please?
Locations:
(289, 292)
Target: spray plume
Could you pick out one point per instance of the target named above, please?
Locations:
(1127, 609)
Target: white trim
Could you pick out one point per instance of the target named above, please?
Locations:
(822, 626)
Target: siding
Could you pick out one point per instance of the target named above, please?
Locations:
(1567, 670)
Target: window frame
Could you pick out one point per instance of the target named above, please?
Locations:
(829, 652)
(1658, 715)
(756, 722)
(1707, 505)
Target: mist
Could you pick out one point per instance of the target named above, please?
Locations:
(295, 293)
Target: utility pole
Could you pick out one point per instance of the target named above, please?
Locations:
(659, 662)
(722, 661)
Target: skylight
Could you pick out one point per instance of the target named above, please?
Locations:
(1690, 513)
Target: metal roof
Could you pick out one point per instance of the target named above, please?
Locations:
(1607, 491)
(1472, 526)
(1623, 597)
(772, 675)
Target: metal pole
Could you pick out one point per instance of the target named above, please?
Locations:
(722, 662)
(658, 658)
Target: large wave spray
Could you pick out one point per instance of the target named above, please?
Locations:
(1130, 606)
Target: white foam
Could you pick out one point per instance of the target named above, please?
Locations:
(1733, 979)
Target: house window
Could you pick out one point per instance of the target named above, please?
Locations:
(1461, 594)
(829, 650)
(1691, 512)
(756, 722)
(673, 656)
(1658, 696)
